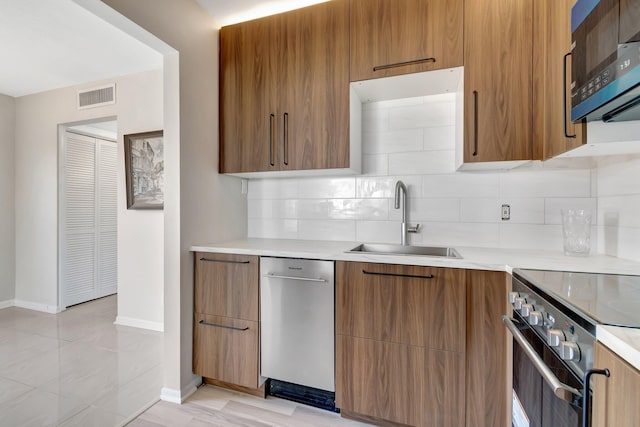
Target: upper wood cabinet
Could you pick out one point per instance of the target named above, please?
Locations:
(553, 132)
(498, 98)
(284, 91)
(393, 37)
(615, 399)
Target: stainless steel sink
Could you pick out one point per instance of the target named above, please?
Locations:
(382, 249)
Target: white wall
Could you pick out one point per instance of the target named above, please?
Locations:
(140, 233)
(619, 207)
(201, 206)
(7, 218)
(413, 140)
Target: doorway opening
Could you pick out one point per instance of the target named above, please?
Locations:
(88, 212)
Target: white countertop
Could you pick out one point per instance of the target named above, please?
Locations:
(472, 258)
(624, 341)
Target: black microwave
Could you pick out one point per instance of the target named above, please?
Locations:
(606, 60)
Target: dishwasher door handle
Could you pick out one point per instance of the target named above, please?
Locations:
(304, 279)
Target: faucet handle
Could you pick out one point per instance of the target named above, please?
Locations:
(413, 229)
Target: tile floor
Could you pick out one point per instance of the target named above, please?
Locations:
(76, 368)
(212, 406)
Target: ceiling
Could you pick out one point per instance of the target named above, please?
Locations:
(49, 44)
(227, 12)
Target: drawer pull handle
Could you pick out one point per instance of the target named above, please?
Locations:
(202, 322)
(431, 276)
(402, 64)
(225, 261)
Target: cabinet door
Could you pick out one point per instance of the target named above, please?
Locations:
(551, 93)
(498, 51)
(426, 34)
(226, 349)
(247, 97)
(422, 306)
(615, 399)
(313, 115)
(488, 386)
(399, 383)
(227, 285)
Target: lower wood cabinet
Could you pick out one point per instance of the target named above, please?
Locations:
(615, 399)
(226, 350)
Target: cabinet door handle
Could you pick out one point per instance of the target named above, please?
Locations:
(271, 118)
(586, 402)
(216, 325)
(285, 138)
(224, 261)
(475, 123)
(431, 276)
(564, 96)
(402, 64)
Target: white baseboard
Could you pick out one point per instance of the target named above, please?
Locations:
(139, 323)
(6, 304)
(178, 396)
(53, 309)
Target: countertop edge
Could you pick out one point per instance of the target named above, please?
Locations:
(625, 342)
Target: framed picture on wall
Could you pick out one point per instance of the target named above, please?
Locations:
(144, 170)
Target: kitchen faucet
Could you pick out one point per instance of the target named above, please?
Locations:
(401, 188)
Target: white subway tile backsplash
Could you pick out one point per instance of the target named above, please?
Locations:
(327, 230)
(359, 209)
(375, 164)
(532, 236)
(375, 120)
(421, 163)
(429, 114)
(258, 208)
(554, 206)
(435, 210)
(273, 228)
(377, 187)
(620, 178)
(623, 211)
(439, 138)
(549, 183)
(327, 188)
(312, 209)
(619, 241)
(461, 185)
(273, 189)
(378, 232)
(398, 141)
(460, 234)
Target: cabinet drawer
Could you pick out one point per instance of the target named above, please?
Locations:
(227, 285)
(422, 306)
(226, 349)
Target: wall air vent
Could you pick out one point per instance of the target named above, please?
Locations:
(97, 97)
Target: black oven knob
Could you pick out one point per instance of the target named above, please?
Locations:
(555, 337)
(513, 296)
(526, 309)
(536, 318)
(517, 304)
(569, 351)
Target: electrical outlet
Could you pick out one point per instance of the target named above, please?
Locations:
(506, 212)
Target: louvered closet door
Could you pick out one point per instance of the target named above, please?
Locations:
(88, 223)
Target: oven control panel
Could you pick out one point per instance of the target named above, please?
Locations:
(570, 341)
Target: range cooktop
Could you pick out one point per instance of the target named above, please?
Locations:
(608, 299)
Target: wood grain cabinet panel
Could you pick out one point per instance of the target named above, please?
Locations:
(498, 100)
(615, 399)
(227, 285)
(403, 304)
(226, 349)
(284, 91)
(399, 383)
(551, 94)
(488, 386)
(388, 32)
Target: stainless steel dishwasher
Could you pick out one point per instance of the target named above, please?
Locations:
(297, 322)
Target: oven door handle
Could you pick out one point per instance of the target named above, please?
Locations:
(560, 389)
